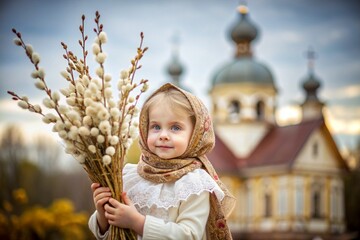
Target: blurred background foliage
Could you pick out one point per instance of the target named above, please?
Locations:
(38, 198)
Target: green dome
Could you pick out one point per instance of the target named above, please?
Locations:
(244, 70)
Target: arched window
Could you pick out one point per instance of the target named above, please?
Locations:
(260, 110)
(316, 198)
(234, 110)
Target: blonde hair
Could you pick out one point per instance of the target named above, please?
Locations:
(173, 99)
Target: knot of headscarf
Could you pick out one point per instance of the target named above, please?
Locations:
(202, 141)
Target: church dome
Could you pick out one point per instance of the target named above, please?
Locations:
(243, 68)
(243, 30)
(175, 68)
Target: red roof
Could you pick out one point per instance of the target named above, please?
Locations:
(280, 146)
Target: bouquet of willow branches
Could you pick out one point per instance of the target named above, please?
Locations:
(96, 129)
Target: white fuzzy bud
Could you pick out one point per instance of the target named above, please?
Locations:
(85, 80)
(95, 48)
(112, 103)
(100, 58)
(37, 108)
(55, 96)
(124, 74)
(73, 115)
(62, 134)
(80, 158)
(35, 74)
(100, 72)
(41, 73)
(65, 92)
(114, 140)
(145, 87)
(84, 131)
(65, 74)
(80, 88)
(103, 37)
(40, 84)
(106, 159)
(115, 112)
(17, 41)
(103, 115)
(107, 78)
(108, 93)
(100, 139)
(63, 109)
(48, 103)
(35, 58)
(105, 127)
(87, 120)
(94, 131)
(110, 151)
(92, 148)
(29, 49)
(71, 101)
(23, 104)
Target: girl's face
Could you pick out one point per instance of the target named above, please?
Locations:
(169, 133)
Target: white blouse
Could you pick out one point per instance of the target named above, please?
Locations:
(176, 210)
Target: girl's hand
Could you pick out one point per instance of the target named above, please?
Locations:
(101, 196)
(124, 215)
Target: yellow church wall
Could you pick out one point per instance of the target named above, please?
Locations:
(245, 219)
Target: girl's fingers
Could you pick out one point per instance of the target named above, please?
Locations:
(109, 209)
(114, 203)
(94, 186)
(100, 190)
(103, 195)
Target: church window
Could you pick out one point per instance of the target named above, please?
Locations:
(234, 110)
(316, 199)
(260, 110)
(283, 198)
(215, 108)
(334, 202)
(268, 205)
(315, 149)
(249, 202)
(299, 197)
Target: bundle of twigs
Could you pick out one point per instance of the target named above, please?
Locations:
(95, 128)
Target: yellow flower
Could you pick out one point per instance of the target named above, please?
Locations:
(7, 206)
(20, 195)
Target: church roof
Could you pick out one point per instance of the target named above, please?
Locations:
(280, 146)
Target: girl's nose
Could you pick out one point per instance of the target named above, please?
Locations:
(164, 135)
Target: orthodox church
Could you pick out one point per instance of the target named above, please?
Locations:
(287, 179)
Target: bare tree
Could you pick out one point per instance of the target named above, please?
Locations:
(12, 152)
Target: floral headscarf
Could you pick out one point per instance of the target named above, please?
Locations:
(202, 141)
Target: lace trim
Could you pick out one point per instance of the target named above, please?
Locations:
(144, 193)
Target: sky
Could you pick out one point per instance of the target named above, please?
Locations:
(286, 31)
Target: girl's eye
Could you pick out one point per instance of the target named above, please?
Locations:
(175, 128)
(155, 127)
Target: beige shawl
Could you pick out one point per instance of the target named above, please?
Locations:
(202, 141)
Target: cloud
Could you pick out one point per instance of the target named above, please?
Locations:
(345, 92)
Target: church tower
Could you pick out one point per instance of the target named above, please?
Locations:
(175, 69)
(312, 106)
(243, 92)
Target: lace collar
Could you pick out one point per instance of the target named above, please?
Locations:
(144, 193)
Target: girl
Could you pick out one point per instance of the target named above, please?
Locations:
(173, 192)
